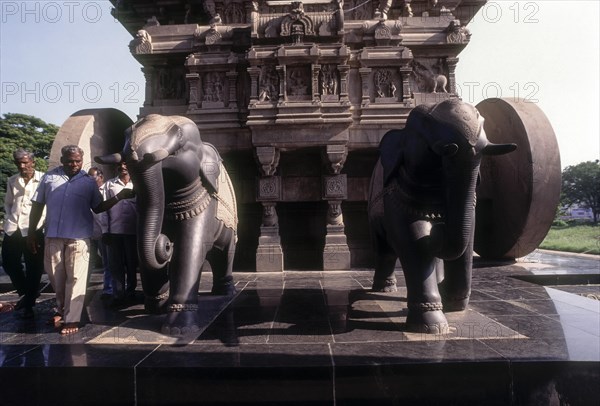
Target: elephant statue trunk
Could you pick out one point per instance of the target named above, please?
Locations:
(450, 239)
(154, 248)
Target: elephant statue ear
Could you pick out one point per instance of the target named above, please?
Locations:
(391, 153)
(210, 166)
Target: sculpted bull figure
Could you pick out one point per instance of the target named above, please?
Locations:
(422, 208)
(186, 214)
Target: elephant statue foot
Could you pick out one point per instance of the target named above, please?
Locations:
(387, 284)
(181, 320)
(223, 286)
(156, 304)
(426, 318)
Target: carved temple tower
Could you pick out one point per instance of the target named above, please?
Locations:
(296, 97)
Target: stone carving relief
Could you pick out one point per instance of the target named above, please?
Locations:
(270, 218)
(268, 84)
(329, 80)
(213, 87)
(334, 213)
(384, 83)
(358, 10)
(456, 33)
(297, 24)
(335, 187)
(234, 13)
(141, 44)
(428, 76)
(298, 82)
(170, 83)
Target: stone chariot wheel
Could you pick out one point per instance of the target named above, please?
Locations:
(518, 192)
(95, 131)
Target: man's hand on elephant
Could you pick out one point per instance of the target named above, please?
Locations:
(126, 194)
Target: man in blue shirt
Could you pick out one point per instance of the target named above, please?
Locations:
(68, 193)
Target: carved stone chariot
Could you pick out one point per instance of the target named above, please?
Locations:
(296, 96)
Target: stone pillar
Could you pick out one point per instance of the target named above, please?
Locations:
(405, 72)
(365, 74)
(269, 255)
(343, 70)
(148, 76)
(281, 71)
(193, 80)
(232, 78)
(316, 69)
(452, 62)
(254, 73)
(336, 254)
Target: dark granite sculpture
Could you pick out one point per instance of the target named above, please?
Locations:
(422, 208)
(187, 213)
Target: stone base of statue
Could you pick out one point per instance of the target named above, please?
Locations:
(336, 254)
(531, 344)
(269, 255)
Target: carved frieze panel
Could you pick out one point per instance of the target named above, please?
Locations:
(298, 82)
(329, 82)
(214, 87)
(169, 82)
(386, 84)
(268, 84)
(295, 21)
(429, 75)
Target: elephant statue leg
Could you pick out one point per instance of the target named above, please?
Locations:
(425, 313)
(156, 290)
(384, 279)
(456, 286)
(184, 275)
(221, 261)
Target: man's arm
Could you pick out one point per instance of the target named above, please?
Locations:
(34, 218)
(9, 199)
(108, 203)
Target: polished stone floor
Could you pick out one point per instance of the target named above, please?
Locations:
(530, 336)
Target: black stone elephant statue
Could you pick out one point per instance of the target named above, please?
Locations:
(186, 214)
(422, 208)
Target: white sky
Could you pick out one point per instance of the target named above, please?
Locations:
(58, 57)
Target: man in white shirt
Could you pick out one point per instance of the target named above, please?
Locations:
(122, 238)
(17, 206)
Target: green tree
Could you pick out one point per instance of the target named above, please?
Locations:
(581, 186)
(23, 131)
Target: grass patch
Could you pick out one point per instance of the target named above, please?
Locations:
(582, 238)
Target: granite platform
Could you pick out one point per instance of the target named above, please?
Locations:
(530, 336)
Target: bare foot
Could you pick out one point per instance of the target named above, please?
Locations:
(56, 320)
(69, 328)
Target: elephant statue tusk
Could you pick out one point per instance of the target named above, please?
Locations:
(109, 159)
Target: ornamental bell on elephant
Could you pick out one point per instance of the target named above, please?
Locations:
(422, 208)
(186, 214)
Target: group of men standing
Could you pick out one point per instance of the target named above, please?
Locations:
(49, 221)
